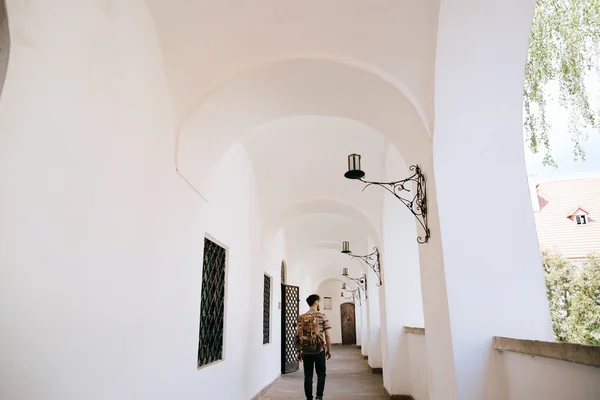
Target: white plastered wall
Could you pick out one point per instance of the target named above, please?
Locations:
(375, 356)
(331, 288)
(494, 282)
(401, 300)
(358, 319)
(546, 378)
(100, 241)
(364, 334)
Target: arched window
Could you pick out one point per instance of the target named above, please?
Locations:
(283, 272)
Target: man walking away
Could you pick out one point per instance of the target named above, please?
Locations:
(311, 346)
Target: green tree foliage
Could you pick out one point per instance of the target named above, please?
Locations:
(559, 281)
(584, 317)
(564, 47)
(574, 298)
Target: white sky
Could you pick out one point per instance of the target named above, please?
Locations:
(562, 146)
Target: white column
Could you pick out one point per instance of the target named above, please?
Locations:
(374, 321)
(401, 300)
(384, 337)
(491, 272)
(364, 316)
(358, 319)
(85, 133)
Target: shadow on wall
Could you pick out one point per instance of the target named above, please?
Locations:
(4, 44)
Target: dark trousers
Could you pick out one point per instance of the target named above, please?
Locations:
(312, 362)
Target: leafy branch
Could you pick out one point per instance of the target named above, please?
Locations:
(564, 47)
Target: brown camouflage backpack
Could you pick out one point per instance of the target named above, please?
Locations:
(309, 338)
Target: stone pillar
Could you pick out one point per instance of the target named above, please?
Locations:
(358, 321)
(400, 296)
(492, 278)
(374, 321)
(364, 316)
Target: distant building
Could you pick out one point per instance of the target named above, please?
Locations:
(567, 217)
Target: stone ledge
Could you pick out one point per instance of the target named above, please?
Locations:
(572, 352)
(417, 331)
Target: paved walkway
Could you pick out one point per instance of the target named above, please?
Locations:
(348, 378)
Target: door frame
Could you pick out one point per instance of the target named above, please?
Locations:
(288, 367)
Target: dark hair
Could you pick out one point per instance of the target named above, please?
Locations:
(312, 299)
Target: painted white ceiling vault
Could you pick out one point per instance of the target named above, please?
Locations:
(302, 84)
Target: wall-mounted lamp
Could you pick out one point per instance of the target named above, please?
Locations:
(361, 282)
(352, 294)
(346, 247)
(417, 205)
(372, 260)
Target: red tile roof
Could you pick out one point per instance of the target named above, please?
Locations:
(559, 233)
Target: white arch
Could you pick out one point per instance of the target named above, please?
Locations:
(336, 58)
(297, 86)
(333, 206)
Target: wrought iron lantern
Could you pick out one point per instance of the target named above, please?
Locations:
(402, 189)
(361, 281)
(372, 260)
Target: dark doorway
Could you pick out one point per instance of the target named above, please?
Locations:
(290, 309)
(348, 323)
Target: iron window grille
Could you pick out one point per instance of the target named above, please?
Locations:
(212, 304)
(291, 307)
(267, 310)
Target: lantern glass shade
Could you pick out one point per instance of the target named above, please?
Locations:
(345, 272)
(346, 247)
(354, 170)
(343, 286)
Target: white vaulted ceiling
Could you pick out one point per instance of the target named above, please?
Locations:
(301, 85)
(300, 158)
(207, 43)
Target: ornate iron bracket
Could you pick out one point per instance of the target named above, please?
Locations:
(361, 282)
(372, 260)
(354, 295)
(417, 205)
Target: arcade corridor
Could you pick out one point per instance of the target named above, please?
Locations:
(348, 377)
(167, 168)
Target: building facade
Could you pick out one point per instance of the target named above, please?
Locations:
(566, 218)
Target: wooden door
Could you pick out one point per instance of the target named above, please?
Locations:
(348, 323)
(290, 308)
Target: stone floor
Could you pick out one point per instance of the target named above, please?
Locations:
(348, 378)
